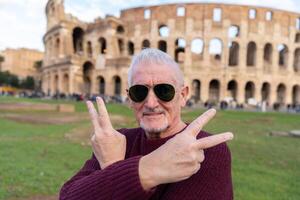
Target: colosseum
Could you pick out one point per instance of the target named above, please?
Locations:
(240, 53)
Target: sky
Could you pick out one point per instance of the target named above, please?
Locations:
(23, 22)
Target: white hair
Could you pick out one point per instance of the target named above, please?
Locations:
(154, 56)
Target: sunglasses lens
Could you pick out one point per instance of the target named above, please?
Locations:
(164, 92)
(138, 93)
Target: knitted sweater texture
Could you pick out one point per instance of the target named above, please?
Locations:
(120, 181)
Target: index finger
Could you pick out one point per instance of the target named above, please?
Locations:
(196, 126)
(103, 114)
(211, 141)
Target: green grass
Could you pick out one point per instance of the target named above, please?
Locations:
(36, 159)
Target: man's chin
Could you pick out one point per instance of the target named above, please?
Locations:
(154, 129)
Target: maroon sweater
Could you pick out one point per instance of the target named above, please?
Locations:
(120, 181)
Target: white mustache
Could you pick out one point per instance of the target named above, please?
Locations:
(153, 111)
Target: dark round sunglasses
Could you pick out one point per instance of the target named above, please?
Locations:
(163, 91)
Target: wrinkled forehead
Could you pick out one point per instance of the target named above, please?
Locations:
(154, 73)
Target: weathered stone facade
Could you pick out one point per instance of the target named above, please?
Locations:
(225, 51)
(21, 61)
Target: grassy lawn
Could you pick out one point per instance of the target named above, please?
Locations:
(36, 159)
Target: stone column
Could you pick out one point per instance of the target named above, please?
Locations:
(241, 92)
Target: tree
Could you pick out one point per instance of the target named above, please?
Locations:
(1, 61)
(28, 83)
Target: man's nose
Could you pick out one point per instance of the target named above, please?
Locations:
(151, 100)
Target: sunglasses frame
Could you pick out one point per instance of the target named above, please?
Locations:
(154, 90)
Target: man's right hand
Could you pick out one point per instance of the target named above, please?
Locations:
(109, 146)
(180, 157)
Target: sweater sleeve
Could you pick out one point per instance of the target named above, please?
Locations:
(213, 180)
(119, 181)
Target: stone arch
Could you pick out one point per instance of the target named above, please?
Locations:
(214, 91)
(117, 85)
(232, 88)
(297, 38)
(163, 31)
(215, 48)
(65, 85)
(120, 29)
(89, 49)
(102, 45)
(265, 92)
(196, 90)
(88, 69)
(162, 45)
(249, 90)
(268, 50)
(233, 31)
(234, 54)
(56, 89)
(296, 95)
(101, 85)
(283, 55)
(179, 50)
(297, 60)
(130, 46)
(251, 54)
(121, 46)
(78, 35)
(57, 46)
(197, 47)
(281, 93)
(146, 44)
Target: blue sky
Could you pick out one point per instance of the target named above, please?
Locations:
(23, 22)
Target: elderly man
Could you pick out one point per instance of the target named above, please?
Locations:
(164, 158)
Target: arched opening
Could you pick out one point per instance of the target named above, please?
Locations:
(233, 31)
(265, 92)
(65, 84)
(120, 29)
(215, 49)
(88, 69)
(268, 49)
(102, 45)
(89, 49)
(196, 86)
(162, 45)
(121, 46)
(297, 38)
(56, 89)
(180, 11)
(57, 45)
(232, 89)
(130, 48)
(249, 91)
(179, 50)
(297, 60)
(251, 54)
(117, 84)
(197, 49)
(214, 91)
(163, 31)
(145, 44)
(234, 54)
(281, 92)
(78, 35)
(283, 55)
(101, 84)
(296, 95)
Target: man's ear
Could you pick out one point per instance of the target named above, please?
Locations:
(184, 95)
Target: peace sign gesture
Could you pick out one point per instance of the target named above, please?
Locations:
(109, 146)
(181, 156)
